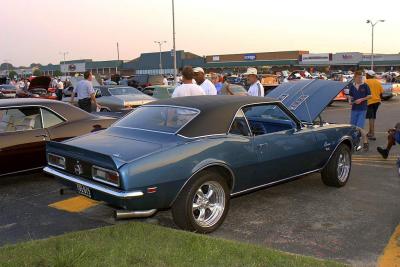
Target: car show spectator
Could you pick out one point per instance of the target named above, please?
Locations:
(207, 85)
(187, 88)
(226, 90)
(165, 81)
(256, 88)
(85, 93)
(215, 79)
(60, 88)
(359, 93)
(373, 103)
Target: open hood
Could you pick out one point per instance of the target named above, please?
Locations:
(40, 82)
(307, 98)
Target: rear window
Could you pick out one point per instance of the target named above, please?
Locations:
(165, 119)
(124, 91)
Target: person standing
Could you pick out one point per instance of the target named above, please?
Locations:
(207, 85)
(393, 137)
(359, 93)
(187, 88)
(215, 79)
(165, 81)
(85, 93)
(373, 103)
(256, 88)
(60, 89)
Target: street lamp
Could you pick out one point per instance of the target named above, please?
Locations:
(64, 54)
(372, 46)
(160, 43)
(173, 38)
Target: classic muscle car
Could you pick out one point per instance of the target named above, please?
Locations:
(117, 98)
(26, 124)
(39, 88)
(192, 154)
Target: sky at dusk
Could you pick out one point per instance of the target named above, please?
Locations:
(37, 31)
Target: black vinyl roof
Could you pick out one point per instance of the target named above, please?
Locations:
(216, 112)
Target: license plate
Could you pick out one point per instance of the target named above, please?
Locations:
(83, 190)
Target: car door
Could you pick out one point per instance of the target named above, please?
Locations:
(284, 148)
(23, 137)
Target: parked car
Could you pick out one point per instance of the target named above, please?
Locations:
(39, 88)
(26, 124)
(117, 98)
(159, 91)
(142, 81)
(7, 91)
(238, 89)
(191, 154)
(387, 91)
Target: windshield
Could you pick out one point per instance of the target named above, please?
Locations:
(166, 119)
(124, 91)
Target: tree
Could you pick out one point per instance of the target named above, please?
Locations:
(12, 74)
(37, 72)
(6, 66)
(57, 73)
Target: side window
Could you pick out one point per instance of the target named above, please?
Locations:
(50, 119)
(266, 119)
(20, 119)
(239, 125)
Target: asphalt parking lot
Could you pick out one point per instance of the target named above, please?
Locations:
(351, 224)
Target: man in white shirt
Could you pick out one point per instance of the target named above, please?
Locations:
(207, 85)
(85, 93)
(187, 88)
(60, 88)
(256, 88)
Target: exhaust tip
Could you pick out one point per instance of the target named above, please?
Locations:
(127, 214)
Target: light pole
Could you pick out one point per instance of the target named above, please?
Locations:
(160, 43)
(64, 54)
(372, 45)
(173, 38)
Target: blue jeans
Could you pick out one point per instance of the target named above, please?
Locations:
(358, 118)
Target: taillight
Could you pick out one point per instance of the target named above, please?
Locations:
(56, 160)
(105, 175)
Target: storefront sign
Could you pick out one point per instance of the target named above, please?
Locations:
(322, 57)
(249, 57)
(215, 58)
(76, 67)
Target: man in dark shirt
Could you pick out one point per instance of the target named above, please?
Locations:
(359, 93)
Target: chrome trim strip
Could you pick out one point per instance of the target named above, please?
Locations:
(103, 189)
(146, 130)
(201, 136)
(104, 181)
(26, 170)
(272, 183)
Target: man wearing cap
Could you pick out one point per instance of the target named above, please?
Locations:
(373, 103)
(256, 88)
(207, 86)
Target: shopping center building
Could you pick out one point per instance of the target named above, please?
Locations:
(162, 63)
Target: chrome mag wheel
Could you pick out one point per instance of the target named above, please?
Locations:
(208, 204)
(343, 168)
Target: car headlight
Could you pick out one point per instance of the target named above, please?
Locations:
(56, 160)
(105, 175)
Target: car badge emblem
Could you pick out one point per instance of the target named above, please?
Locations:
(78, 168)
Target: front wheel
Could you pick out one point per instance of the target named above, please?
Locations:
(203, 203)
(337, 172)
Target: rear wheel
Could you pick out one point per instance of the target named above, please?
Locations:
(337, 172)
(203, 203)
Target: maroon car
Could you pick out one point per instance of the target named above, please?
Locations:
(39, 87)
(26, 125)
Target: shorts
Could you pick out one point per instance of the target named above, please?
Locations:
(85, 104)
(358, 118)
(371, 111)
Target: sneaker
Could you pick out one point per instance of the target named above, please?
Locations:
(366, 147)
(384, 152)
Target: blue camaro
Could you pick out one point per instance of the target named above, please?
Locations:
(193, 154)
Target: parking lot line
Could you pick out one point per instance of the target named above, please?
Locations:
(391, 254)
(74, 204)
(373, 165)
